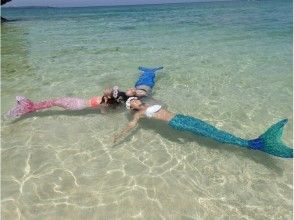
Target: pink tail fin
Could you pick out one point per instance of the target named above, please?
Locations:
(23, 106)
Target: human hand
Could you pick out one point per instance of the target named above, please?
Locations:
(116, 138)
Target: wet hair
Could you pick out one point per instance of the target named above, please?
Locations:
(120, 97)
(109, 101)
(117, 98)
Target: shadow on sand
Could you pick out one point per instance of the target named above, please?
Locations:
(171, 134)
(183, 138)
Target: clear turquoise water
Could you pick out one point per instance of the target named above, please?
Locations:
(229, 63)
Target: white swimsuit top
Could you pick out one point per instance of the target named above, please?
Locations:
(150, 111)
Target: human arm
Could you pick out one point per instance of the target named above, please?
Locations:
(132, 124)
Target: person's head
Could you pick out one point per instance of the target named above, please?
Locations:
(107, 92)
(131, 92)
(114, 96)
(134, 103)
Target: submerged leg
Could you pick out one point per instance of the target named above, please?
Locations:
(24, 105)
(199, 127)
(70, 103)
(270, 142)
(147, 78)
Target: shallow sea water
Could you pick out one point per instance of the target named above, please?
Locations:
(228, 63)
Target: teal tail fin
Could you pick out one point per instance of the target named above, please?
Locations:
(145, 69)
(271, 143)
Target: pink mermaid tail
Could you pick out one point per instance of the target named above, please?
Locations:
(24, 105)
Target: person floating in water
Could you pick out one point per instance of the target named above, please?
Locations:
(145, 83)
(110, 97)
(269, 142)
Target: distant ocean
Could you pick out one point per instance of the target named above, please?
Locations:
(228, 63)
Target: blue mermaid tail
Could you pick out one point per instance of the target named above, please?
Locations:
(269, 142)
(147, 78)
(145, 69)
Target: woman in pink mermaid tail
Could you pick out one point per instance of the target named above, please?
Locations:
(110, 97)
(143, 87)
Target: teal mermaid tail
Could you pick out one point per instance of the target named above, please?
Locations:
(270, 142)
(199, 127)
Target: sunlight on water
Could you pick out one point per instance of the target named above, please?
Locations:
(227, 63)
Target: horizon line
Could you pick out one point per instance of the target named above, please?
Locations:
(163, 3)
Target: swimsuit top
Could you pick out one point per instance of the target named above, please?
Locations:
(150, 111)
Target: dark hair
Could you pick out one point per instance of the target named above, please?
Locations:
(109, 101)
(120, 97)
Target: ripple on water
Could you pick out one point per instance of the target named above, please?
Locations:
(63, 165)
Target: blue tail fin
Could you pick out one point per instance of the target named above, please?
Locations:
(270, 142)
(145, 69)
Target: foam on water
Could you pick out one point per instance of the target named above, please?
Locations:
(228, 63)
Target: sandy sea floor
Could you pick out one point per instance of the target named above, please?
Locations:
(228, 63)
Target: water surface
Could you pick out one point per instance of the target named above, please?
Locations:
(228, 63)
